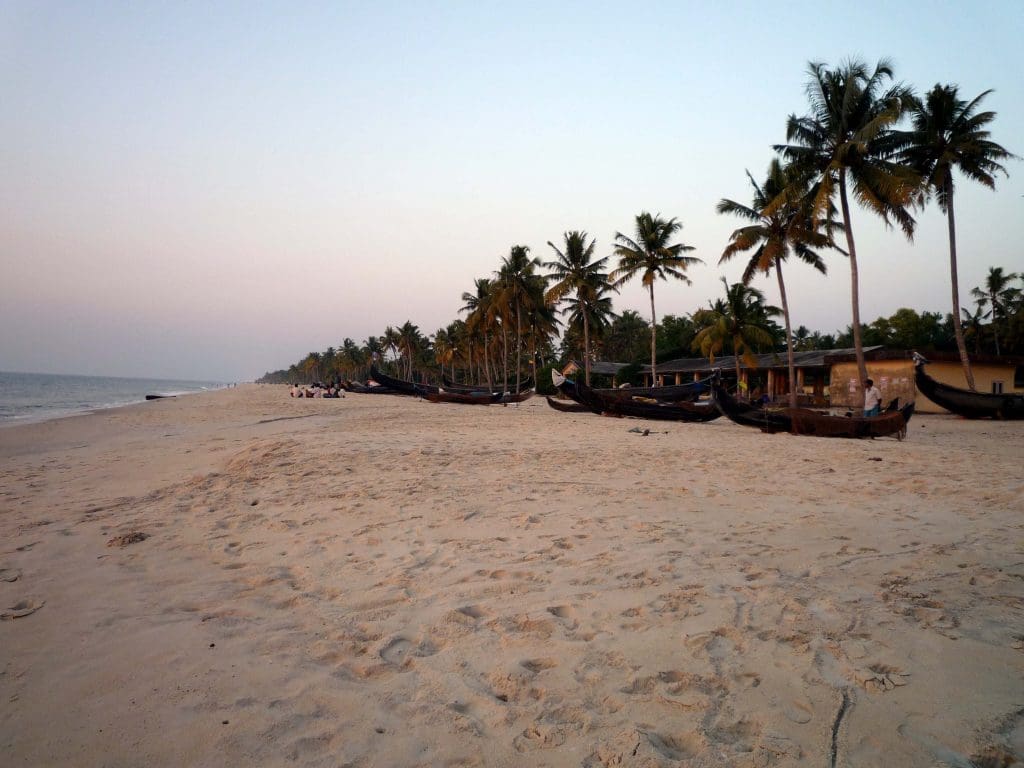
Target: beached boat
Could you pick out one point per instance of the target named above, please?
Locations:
(668, 393)
(567, 407)
(363, 389)
(963, 402)
(672, 393)
(463, 398)
(644, 408)
(803, 421)
(450, 386)
(400, 386)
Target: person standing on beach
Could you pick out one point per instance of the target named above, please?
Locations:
(872, 399)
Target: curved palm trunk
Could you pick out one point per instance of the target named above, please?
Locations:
(654, 331)
(858, 345)
(958, 330)
(789, 336)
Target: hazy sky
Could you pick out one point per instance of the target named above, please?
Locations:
(211, 190)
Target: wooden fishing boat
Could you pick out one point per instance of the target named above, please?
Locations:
(450, 386)
(567, 407)
(803, 421)
(462, 398)
(673, 393)
(668, 393)
(963, 402)
(400, 386)
(641, 409)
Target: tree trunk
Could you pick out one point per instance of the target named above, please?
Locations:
(958, 329)
(789, 335)
(995, 327)
(858, 345)
(586, 347)
(993, 299)
(519, 348)
(654, 331)
(487, 360)
(504, 354)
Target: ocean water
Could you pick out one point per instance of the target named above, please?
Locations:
(28, 397)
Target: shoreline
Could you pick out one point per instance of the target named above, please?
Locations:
(84, 410)
(385, 581)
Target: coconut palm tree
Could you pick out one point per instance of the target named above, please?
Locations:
(540, 319)
(462, 346)
(741, 318)
(373, 350)
(575, 273)
(626, 336)
(310, 366)
(514, 276)
(593, 312)
(973, 326)
(949, 133)
(788, 230)
(411, 342)
(478, 304)
(846, 144)
(444, 348)
(652, 255)
(998, 296)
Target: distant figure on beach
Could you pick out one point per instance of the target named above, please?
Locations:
(872, 398)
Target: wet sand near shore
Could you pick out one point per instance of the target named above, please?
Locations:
(238, 577)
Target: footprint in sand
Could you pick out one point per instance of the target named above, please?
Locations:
(9, 574)
(540, 737)
(566, 613)
(798, 711)
(22, 608)
(397, 651)
(538, 665)
(680, 747)
(473, 611)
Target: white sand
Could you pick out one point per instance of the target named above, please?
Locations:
(380, 581)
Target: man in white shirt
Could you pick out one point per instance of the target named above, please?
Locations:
(872, 399)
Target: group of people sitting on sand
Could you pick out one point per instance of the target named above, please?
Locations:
(317, 390)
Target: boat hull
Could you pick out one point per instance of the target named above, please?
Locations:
(802, 421)
(963, 402)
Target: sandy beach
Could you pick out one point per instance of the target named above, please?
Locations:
(381, 581)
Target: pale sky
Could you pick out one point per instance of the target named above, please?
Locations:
(212, 190)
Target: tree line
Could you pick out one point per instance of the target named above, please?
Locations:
(862, 137)
(994, 326)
